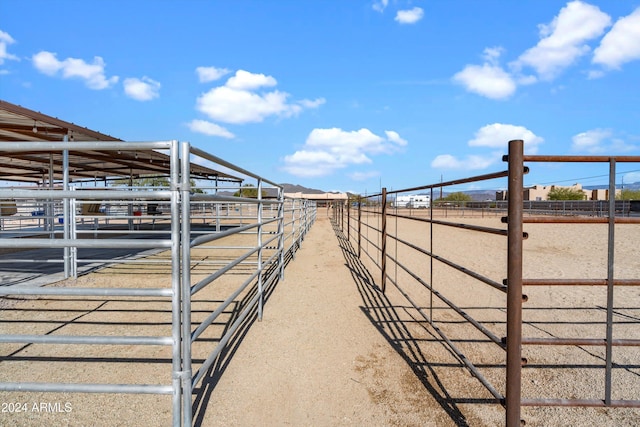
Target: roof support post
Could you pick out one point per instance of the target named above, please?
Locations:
(66, 223)
(185, 261)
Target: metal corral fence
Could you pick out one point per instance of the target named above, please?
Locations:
(533, 207)
(197, 236)
(379, 234)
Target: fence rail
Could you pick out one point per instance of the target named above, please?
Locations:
(246, 243)
(373, 226)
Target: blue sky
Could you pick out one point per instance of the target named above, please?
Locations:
(336, 94)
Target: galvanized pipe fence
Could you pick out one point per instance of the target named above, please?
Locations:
(199, 236)
(364, 222)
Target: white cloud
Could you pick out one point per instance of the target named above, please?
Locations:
(380, 5)
(489, 79)
(209, 74)
(472, 162)
(307, 103)
(596, 141)
(486, 80)
(563, 41)
(238, 101)
(595, 74)
(6, 40)
(229, 105)
(395, 137)
(244, 80)
(46, 63)
(144, 89)
(410, 16)
(327, 150)
(363, 176)
(310, 164)
(92, 74)
(632, 177)
(208, 128)
(498, 135)
(621, 44)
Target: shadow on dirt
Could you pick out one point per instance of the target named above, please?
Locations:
(386, 317)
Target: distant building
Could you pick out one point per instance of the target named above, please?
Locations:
(323, 199)
(541, 192)
(413, 201)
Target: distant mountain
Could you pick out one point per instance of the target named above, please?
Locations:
(630, 186)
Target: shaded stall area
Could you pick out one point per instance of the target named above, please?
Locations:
(181, 260)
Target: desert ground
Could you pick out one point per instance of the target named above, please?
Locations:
(333, 350)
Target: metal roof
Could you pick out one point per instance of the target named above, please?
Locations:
(18, 124)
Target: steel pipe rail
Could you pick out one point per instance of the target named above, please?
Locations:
(217, 160)
(234, 199)
(87, 388)
(202, 370)
(112, 292)
(216, 236)
(60, 146)
(83, 243)
(214, 315)
(85, 339)
(209, 279)
(85, 194)
(262, 264)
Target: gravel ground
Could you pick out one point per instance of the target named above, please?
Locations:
(332, 349)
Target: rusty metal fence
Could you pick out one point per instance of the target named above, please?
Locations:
(377, 229)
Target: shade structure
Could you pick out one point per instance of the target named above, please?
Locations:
(21, 124)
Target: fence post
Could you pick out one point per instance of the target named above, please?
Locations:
(260, 231)
(359, 223)
(185, 279)
(383, 237)
(281, 230)
(514, 284)
(348, 219)
(610, 277)
(294, 241)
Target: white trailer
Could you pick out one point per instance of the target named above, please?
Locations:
(416, 201)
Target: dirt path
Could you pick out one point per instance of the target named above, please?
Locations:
(319, 358)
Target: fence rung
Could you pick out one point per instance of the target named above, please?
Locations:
(581, 402)
(117, 292)
(87, 388)
(580, 341)
(85, 339)
(579, 282)
(578, 220)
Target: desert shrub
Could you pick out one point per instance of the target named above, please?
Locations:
(628, 195)
(566, 194)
